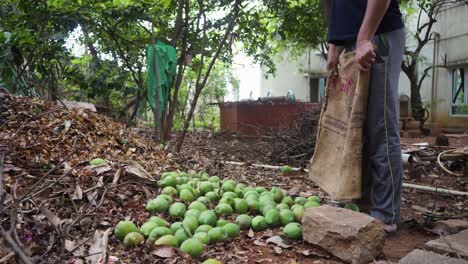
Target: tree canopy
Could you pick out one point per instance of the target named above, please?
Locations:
(110, 69)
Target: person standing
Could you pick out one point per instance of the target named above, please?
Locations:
(374, 29)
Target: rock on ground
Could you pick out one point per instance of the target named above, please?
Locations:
(351, 236)
(424, 257)
(454, 244)
(450, 227)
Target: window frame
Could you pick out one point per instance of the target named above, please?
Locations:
(465, 91)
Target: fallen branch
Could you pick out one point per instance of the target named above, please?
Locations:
(25, 259)
(7, 258)
(260, 165)
(2, 156)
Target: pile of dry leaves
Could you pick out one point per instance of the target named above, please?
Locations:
(54, 206)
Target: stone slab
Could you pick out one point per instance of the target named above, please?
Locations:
(450, 226)
(425, 257)
(456, 244)
(350, 236)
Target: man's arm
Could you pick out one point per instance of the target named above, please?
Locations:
(375, 11)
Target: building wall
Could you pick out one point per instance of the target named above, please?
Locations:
(292, 74)
(452, 48)
(452, 26)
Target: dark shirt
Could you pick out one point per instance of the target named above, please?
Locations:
(346, 17)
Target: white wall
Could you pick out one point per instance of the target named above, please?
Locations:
(292, 74)
(452, 26)
(249, 75)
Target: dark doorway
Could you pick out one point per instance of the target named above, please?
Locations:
(314, 90)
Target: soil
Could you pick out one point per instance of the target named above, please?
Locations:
(419, 208)
(60, 207)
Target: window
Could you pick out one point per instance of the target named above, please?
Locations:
(459, 92)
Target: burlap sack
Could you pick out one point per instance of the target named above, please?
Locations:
(336, 165)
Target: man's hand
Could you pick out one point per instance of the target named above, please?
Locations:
(375, 11)
(332, 62)
(365, 55)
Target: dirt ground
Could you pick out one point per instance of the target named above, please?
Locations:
(419, 208)
(58, 209)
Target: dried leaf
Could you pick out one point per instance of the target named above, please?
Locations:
(110, 260)
(278, 250)
(311, 251)
(100, 182)
(97, 247)
(105, 240)
(136, 169)
(98, 169)
(66, 167)
(69, 245)
(263, 260)
(268, 233)
(259, 243)
(306, 193)
(104, 223)
(116, 178)
(67, 124)
(420, 209)
(101, 169)
(251, 233)
(78, 194)
(279, 241)
(163, 251)
(53, 219)
(92, 197)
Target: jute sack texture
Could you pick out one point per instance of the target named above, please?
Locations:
(336, 165)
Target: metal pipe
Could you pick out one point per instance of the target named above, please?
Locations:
(434, 189)
(408, 159)
(435, 56)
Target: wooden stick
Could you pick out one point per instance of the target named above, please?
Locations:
(2, 156)
(25, 259)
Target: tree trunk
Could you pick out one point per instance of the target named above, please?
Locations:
(174, 103)
(199, 86)
(417, 108)
(137, 102)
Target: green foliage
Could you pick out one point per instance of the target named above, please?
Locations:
(220, 82)
(110, 68)
(282, 25)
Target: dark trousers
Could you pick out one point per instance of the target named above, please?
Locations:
(382, 161)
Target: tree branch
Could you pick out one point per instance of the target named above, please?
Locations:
(25, 259)
(199, 87)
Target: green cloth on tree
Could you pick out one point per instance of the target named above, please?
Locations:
(166, 65)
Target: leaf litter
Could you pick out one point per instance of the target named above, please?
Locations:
(47, 152)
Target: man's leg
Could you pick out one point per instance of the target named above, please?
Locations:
(382, 131)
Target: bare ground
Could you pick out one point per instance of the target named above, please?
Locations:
(56, 208)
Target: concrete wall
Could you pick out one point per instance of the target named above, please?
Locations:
(292, 74)
(452, 26)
